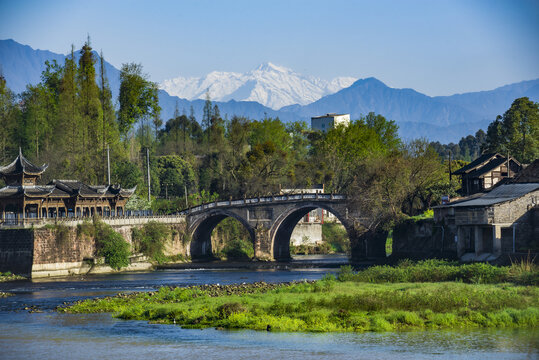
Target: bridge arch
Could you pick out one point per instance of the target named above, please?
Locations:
(284, 225)
(201, 230)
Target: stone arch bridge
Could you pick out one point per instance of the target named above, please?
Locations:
(271, 220)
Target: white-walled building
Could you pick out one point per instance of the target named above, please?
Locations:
(329, 121)
(308, 231)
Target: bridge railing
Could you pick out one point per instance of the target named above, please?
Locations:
(71, 221)
(264, 199)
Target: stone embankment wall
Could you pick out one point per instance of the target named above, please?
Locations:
(422, 239)
(68, 250)
(16, 250)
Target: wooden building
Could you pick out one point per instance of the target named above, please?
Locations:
(22, 199)
(485, 172)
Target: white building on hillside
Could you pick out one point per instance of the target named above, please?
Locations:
(328, 121)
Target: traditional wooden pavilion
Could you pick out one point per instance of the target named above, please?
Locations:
(22, 198)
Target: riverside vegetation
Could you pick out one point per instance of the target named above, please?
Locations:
(8, 276)
(430, 294)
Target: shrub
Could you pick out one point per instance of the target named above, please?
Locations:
(111, 245)
(228, 309)
(335, 235)
(346, 273)
(434, 270)
(239, 249)
(151, 240)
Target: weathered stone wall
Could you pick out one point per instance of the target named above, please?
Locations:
(178, 242)
(517, 210)
(64, 250)
(61, 244)
(16, 250)
(423, 239)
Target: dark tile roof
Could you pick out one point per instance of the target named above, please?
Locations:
(22, 165)
(530, 174)
(65, 188)
(75, 187)
(492, 164)
(500, 194)
(477, 162)
(10, 191)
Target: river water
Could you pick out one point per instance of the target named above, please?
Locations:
(49, 335)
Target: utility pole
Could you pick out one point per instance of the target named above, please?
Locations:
(108, 163)
(148, 166)
(186, 202)
(450, 174)
(508, 166)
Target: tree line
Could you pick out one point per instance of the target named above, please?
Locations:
(70, 120)
(516, 133)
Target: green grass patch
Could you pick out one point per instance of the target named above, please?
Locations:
(329, 305)
(441, 270)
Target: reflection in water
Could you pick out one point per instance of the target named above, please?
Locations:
(49, 335)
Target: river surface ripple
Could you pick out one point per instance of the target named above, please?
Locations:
(49, 335)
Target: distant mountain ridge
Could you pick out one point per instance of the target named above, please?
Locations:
(270, 85)
(442, 118)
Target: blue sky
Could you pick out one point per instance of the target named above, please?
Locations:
(437, 47)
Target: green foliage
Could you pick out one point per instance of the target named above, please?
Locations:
(389, 243)
(335, 235)
(175, 175)
(232, 240)
(441, 270)
(9, 276)
(328, 305)
(467, 149)
(428, 214)
(138, 98)
(111, 245)
(126, 174)
(202, 197)
(151, 239)
(517, 132)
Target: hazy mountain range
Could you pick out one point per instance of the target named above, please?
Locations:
(442, 118)
(270, 85)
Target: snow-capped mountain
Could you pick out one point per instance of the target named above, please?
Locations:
(270, 85)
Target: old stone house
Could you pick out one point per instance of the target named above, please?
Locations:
(498, 225)
(502, 221)
(485, 172)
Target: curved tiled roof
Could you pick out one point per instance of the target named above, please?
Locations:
(22, 165)
(75, 187)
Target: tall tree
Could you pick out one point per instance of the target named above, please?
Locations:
(517, 131)
(68, 112)
(206, 116)
(138, 99)
(91, 115)
(109, 128)
(8, 120)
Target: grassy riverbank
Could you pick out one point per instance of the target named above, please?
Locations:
(345, 303)
(8, 276)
